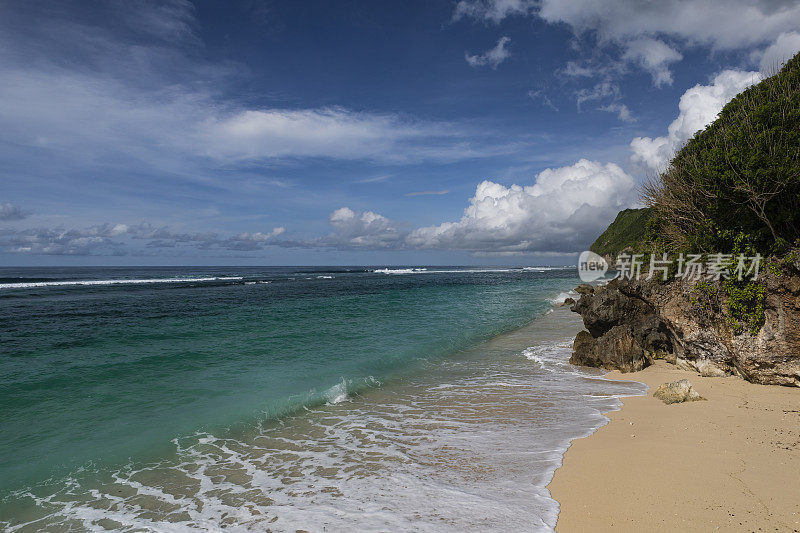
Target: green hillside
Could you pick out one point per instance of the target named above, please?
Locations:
(628, 229)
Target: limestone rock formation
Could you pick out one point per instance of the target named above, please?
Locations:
(623, 333)
(632, 322)
(677, 392)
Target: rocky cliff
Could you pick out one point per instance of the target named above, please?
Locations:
(632, 322)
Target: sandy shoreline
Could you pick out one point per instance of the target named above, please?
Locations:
(731, 463)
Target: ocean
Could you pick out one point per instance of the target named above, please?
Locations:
(291, 398)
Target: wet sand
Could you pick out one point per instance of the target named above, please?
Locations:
(731, 463)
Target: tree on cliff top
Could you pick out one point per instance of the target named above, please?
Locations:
(739, 178)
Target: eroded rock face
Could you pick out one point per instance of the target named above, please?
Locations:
(617, 349)
(584, 288)
(704, 340)
(609, 308)
(691, 328)
(623, 333)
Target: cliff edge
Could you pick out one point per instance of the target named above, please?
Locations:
(630, 323)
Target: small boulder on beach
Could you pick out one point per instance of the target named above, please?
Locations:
(677, 392)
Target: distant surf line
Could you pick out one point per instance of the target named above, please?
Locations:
(398, 271)
(36, 284)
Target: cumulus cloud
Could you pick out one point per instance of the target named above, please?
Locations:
(560, 212)
(11, 212)
(698, 107)
(361, 230)
(784, 48)
(492, 57)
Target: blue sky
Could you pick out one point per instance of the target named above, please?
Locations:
(255, 132)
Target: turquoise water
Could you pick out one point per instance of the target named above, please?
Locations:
(107, 369)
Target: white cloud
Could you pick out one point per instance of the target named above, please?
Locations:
(492, 57)
(654, 56)
(84, 117)
(61, 241)
(622, 111)
(600, 91)
(11, 212)
(737, 24)
(492, 10)
(132, 92)
(574, 70)
(639, 27)
(375, 179)
(123, 239)
(261, 237)
(540, 95)
(329, 132)
(361, 230)
(560, 212)
(784, 48)
(252, 241)
(698, 107)
(428, 193)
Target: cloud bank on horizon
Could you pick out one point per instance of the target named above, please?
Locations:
(113, 111)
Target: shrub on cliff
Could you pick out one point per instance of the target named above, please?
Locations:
(739, 176)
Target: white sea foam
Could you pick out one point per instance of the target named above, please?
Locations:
(33, 284)
(324, 277)
(399, 270)
(450, 271)
(547, 268)
(553, 357)
(531, 354)
(562, 297)
(467, 270)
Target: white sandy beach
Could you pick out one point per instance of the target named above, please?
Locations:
(731, 463)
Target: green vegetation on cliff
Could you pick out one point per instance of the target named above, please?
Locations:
(627, 230)
(739, 179)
